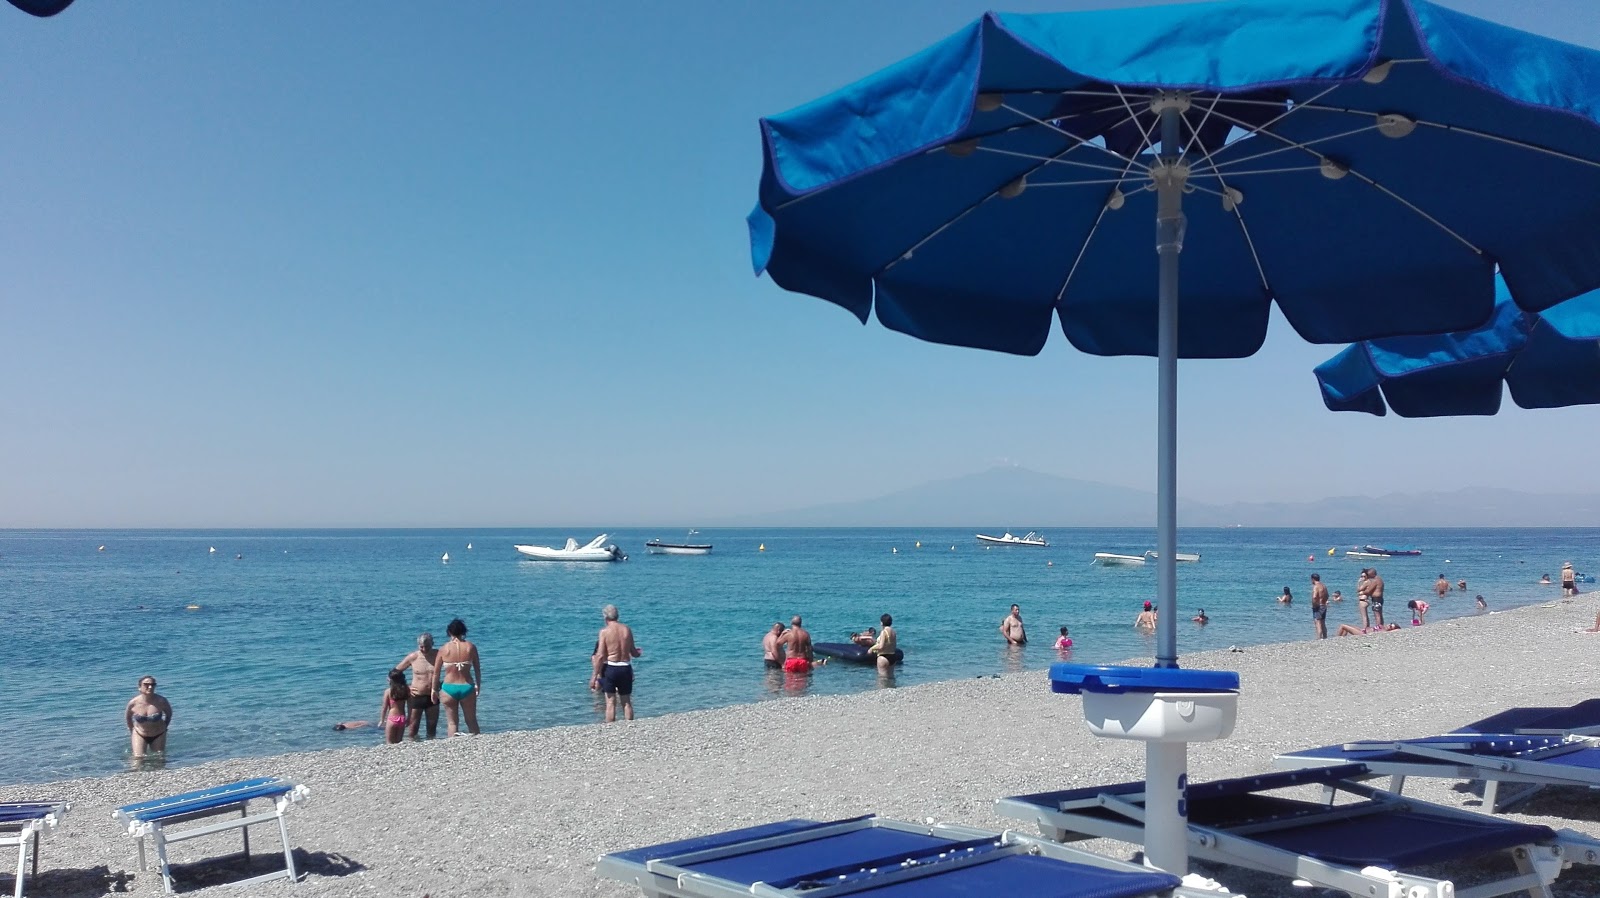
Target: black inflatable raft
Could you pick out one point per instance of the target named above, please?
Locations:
(851, 653)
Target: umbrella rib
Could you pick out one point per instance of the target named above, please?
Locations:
(912, 249)
(1088, 238)
(1048, 160)
(1194, 130)
(1082, 142)
(1238, 216)
(1386, 191)
(1291, 144)
(1143, 134)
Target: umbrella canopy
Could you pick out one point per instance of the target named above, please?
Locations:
(1549, 360)
(41, 8)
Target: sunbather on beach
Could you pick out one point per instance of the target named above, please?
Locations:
(798, 643)
(424, 679)
(460, 679)
(1347, 630)
(613, 663)
(148, 717)
(396, 699)
(771, 647)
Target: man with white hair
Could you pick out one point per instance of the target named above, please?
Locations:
(614, 652)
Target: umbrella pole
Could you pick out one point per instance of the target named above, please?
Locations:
(1166, 829)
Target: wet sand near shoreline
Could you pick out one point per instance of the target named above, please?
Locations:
(527, 813)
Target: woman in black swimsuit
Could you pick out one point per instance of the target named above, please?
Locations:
(148, 716)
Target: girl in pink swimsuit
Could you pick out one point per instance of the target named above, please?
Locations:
(393, 713)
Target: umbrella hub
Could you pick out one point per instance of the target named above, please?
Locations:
(1176, 100)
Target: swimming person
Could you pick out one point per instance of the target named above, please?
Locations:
(148, 717)
(613, 663)
(1200, 617)
(771, 647)
(1287, 596)
(1482, 605)
(884, 647)
(1064, 641)
(1441, 586)
(424, 678)
(866, 638)
(460, 679)
(396, 699)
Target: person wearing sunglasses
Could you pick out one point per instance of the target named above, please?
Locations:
(148, 716)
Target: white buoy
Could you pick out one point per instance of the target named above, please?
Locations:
(894, 551)
(469, 547)
(102, 549)
(446, 558)
(952, 548)
(213, 550)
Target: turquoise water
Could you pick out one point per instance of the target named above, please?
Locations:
(299, 631)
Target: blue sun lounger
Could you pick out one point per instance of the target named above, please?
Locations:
(877, 858)
(1370, 844)
(1581, 719)
(1527, 762)
(22, 824)
(150, 819)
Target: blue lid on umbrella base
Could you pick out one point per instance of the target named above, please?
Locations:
(1073, 679)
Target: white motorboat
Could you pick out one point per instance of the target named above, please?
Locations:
(1029, 539)
(596, 550)
(1183, 557)
(1112, 558)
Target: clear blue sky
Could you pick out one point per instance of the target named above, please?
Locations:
(323, 264)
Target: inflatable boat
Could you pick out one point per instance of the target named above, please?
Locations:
(850, 653)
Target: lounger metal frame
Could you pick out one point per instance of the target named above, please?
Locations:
(22, 825)
(150, 820)
(669, 876)
(1073, 817)
(1528, 768)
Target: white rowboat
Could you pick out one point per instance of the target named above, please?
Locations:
(657, 547)
(1183, 557)
(1111, 558)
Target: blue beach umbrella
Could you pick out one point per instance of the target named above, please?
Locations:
(41, 8)
(1548, 360)
(1365, 164)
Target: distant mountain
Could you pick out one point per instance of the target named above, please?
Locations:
(1021, 499)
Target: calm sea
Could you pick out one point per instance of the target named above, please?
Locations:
(296, 630)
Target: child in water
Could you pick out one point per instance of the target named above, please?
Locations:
(396, 696)
(1064, 642)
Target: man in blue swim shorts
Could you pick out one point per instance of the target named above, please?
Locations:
(614, 652)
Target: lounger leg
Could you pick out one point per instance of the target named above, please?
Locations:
(139, 841)
(22, 866)
(288, 850)
(1526, 867)
(245, 812)
(161, 857)
(1491, 796)
(1397, 783)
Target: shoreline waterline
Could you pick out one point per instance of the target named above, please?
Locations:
(527, 812)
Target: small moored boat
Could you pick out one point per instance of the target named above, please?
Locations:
(1028, 539)
(1381, 552)
(595, 550)
(1183, 557)
(1112, 558)
(657, 547)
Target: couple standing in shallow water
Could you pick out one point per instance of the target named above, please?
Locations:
(451, 676)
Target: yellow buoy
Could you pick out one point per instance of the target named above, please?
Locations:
(761, 548)
(1330, 551)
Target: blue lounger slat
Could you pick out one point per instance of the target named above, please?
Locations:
(150, 819)
(1361, 847)
(883, 859)
(1582, 718)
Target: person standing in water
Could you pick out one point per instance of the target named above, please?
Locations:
(885, 646)
(148, 717)
(392, 713)
(1319, 606)
(423, 664)
(771, 647)
(460, 679)
(797, 642)
(1011, 627)
(613, 663)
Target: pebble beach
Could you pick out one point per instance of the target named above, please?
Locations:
(527, 813)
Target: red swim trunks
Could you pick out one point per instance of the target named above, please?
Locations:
(797, 665)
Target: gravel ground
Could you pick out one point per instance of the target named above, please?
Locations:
(527, 813)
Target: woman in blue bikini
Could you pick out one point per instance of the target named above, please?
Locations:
(148, 716)
(460, 678)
